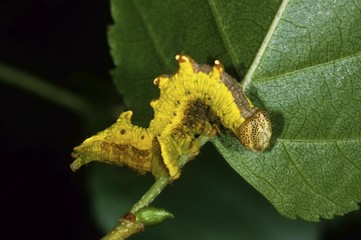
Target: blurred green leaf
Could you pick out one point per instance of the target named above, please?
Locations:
(209, 201)
(306, 78)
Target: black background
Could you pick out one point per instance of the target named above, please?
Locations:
(58, 41)
(65, 43)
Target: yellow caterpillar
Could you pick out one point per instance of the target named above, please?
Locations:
(195, 101)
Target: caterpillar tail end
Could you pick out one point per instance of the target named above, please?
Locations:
(80, 159)
(75, 165)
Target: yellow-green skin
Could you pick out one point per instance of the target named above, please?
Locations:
(192, 102)
(119, 144)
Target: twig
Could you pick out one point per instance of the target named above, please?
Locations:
(41, 87)
(128, 225)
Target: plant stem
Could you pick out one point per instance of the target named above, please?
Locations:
(41, 87)
(127, 228)
(123, 230)
(151, 194)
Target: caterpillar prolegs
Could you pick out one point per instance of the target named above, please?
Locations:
(196, 101)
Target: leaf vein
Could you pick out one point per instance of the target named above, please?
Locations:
(309, 185)
(321, 141)
(223, 36)
(346, 158)
(256, 61)
(296, 71)
(156, 43)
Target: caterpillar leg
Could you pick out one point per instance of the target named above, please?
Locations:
(176, 150)
(170, 156)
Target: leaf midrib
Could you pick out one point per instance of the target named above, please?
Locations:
(256, 61)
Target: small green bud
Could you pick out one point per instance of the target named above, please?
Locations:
(151, 216)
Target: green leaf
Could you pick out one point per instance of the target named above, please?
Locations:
(148, 34)
(308, 79)
(303, 66)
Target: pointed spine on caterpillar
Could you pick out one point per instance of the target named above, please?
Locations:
(121, 144)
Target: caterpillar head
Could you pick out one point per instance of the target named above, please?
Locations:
(255, 133)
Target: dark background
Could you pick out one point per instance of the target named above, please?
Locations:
(65, 43)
